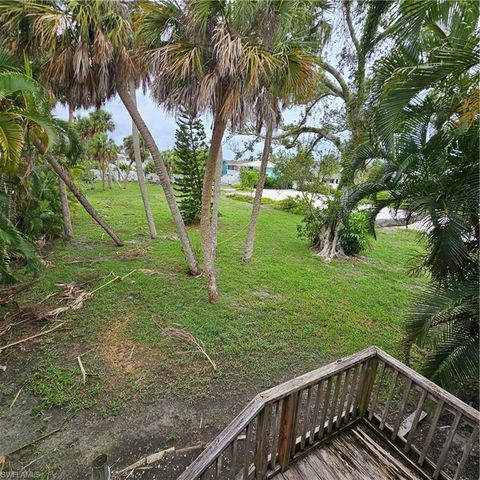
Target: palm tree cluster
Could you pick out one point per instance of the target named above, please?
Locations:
(228, 59)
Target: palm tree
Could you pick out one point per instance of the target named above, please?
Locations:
(87, 48)
(295, 83)
(428, 146)
(137, 155)
(209, 56)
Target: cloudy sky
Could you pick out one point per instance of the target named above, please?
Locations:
(162, 124)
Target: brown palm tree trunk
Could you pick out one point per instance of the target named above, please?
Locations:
(257, 201)
(109, 176)
(140, 172)
(206, 230)
(67, 219)
(67, 222)
(78, 195)
(163, 175)
(102, 170)
(216, 201)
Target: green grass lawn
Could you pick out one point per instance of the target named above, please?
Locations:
(285, 313)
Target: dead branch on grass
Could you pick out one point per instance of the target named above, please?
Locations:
(182, 334)
(82, 369)
(15, 399)
(31, 337)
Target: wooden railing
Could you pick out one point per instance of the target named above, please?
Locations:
(285, 421)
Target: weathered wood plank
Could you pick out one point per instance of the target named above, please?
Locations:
(358, 388)
(306, 418)
(403, 406)
(466, 453)
(208, 456)
(377, 391)
(316, 410)
(261, 449)
(446, 445)
(351, 393)
(276, 433)
(371, 372)
(324, 409)
(333, 406)
(246, 457)
(433, 426)
(287, 430)
(343, 396)
(409, 425)
(315, 376)
(389, 399)
(436, 391)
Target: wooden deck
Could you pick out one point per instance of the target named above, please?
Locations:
(365, 417)
(356, 453)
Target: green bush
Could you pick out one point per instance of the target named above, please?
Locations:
(248, 178)
(249, 199)
(297, 205)
(311, 225)
(355, 237)
(149, 167)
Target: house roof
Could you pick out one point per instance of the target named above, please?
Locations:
(257, 163)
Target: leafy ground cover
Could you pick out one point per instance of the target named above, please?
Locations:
(283, 314)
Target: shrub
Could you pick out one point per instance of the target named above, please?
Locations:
(297, 205)
(248, 178)
(355, 237)
(149, 167)
(311, 225)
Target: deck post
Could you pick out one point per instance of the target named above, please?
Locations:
(287, 430)
(261, 450)
(367, 386)
(100, 469)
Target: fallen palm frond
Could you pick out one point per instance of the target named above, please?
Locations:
(72, 293)
(182, 334)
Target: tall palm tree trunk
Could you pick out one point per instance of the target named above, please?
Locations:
(140, 172)
(109, 176)
(67, 220)
(216, 201)
(206, 230)
(76, 192)
(257, 201)
(102, 170)
(163, 175)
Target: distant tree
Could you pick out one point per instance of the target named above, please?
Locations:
(294, 168)
(248, 178)
(171, 159)
(98, 147)
(192, 153)
(128, 149)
